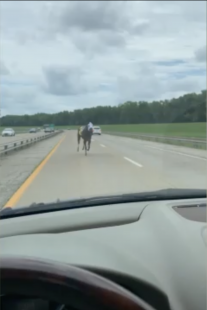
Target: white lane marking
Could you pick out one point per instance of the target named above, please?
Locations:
(183, 154)
(102, 145)
(133, 162)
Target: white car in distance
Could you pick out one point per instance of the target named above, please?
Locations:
(8, 132)
(96, 130)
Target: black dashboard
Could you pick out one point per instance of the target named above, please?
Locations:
(25, 303)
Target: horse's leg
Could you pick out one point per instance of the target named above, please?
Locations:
(89, 143)
(78, 142)
(85, 147)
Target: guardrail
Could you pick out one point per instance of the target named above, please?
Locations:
(181, 141)
(7, 147)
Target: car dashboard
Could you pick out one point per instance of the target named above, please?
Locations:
(157, 250)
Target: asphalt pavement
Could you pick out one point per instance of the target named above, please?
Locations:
(17, 166)
(19, 137)
(114, 165)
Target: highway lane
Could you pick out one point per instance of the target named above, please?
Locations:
(182, 167)
(22, 136)
(113, 166)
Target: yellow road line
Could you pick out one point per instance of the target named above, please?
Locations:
(18, 194)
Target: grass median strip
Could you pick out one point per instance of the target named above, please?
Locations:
(18, 194)
(190, 130)
(197, 144)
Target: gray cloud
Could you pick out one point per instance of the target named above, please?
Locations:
(134, 86)
(3, 69)
(96, 25)
(63, 81)
(93, 16)
(78, 47)
(19, 100)
(184, 85)
(91, 44)
(200, 54)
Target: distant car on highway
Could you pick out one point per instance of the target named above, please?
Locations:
(32, 130)
(8, 132)
(49, 129)
(96, 130)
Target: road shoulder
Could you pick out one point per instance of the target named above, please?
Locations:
(16, 167)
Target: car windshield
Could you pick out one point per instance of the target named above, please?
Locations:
(117, 92)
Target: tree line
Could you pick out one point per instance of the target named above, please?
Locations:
(187, 108)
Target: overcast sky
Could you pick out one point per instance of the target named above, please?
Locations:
(58, 56)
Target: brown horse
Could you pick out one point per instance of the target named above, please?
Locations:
(86, 135)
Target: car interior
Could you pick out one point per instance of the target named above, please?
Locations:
(147, 255)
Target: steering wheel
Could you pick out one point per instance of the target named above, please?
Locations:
(65, 284)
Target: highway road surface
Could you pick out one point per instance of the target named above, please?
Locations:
(114, 165)
(22, 136)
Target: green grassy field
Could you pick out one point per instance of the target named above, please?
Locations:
(197, 130)
(194, 130)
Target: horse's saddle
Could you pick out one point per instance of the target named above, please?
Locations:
(83, 130)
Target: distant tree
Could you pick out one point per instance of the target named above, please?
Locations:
(187, 108)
